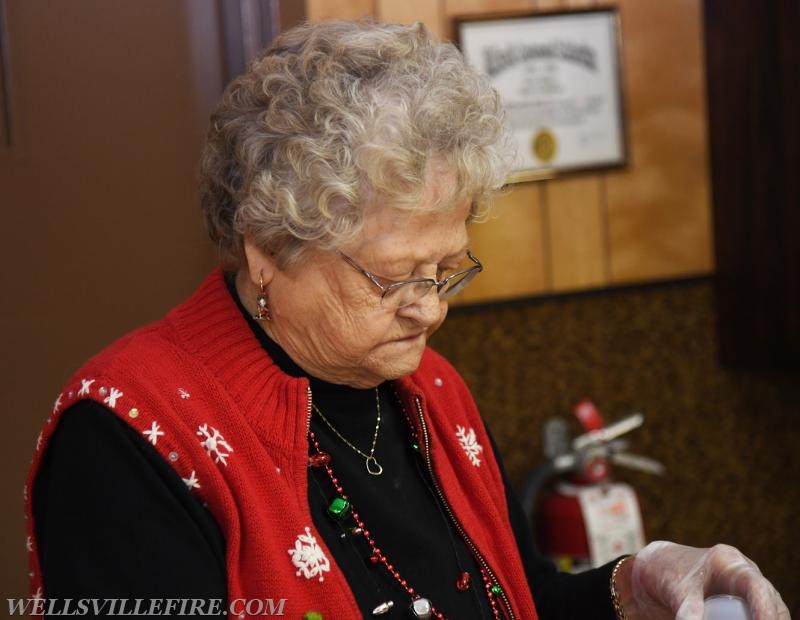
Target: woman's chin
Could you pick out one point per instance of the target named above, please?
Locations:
(401, 358)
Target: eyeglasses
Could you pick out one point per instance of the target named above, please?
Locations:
(406, 292)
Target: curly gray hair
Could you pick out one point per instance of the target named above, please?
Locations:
(335, 117)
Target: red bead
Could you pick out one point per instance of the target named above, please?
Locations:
(375, 558)
(320, 459)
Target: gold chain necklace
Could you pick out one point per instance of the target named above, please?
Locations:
(373, 467)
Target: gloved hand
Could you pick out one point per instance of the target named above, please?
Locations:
(666, 580)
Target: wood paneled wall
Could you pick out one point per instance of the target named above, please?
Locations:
(649, 221)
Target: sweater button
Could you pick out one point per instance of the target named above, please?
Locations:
(438, 382)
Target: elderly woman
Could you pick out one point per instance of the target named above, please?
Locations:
(284, 441)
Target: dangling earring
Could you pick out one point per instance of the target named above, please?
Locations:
(262, 310)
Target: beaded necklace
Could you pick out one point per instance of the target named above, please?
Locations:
(341, 510)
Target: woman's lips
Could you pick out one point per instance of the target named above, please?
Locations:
(410, 337)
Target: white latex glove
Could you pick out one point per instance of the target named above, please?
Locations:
(665, 581)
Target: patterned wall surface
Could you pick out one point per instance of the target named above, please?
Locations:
(728, 439)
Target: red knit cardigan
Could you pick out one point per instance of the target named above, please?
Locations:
(199, 386)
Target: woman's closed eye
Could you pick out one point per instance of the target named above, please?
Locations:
(447, 267)
(445, 270)
(452, 265)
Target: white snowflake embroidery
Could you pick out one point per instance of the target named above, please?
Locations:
(183, 393)
(214, 443)
(39, 442)
(86, 384)
(470, 444)
(153, 433)
(29, 544)
(111, 399)
(191, 481)
(57, 404)
(308, 557)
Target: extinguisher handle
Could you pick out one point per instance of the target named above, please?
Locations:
(606, 434)
(640, 463)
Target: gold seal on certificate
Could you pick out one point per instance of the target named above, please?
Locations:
(544, 145)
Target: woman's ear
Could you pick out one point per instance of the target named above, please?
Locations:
(260, 266)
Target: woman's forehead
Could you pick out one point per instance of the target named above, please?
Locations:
(396, 234)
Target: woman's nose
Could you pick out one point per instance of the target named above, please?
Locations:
(427, 310)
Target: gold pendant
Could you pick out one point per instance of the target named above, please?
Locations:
(373, 467)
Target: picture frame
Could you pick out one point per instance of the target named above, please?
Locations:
(559, 77)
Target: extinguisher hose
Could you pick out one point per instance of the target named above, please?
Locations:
(533, 485)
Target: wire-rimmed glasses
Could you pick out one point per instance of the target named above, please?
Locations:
(406, 292)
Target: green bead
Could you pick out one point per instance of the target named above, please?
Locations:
(312, 615)
(497, 590)
(339, 509)
(415, 446)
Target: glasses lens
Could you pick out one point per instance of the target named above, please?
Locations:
(404, 294)
(457, 283)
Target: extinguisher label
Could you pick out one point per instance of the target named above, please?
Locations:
(613, 521)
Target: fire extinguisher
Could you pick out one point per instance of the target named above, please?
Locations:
(585, 519)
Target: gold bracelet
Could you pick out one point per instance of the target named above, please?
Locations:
(618, 609)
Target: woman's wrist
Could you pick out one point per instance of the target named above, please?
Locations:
(620, 586)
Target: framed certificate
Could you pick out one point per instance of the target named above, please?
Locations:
(558, 75)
